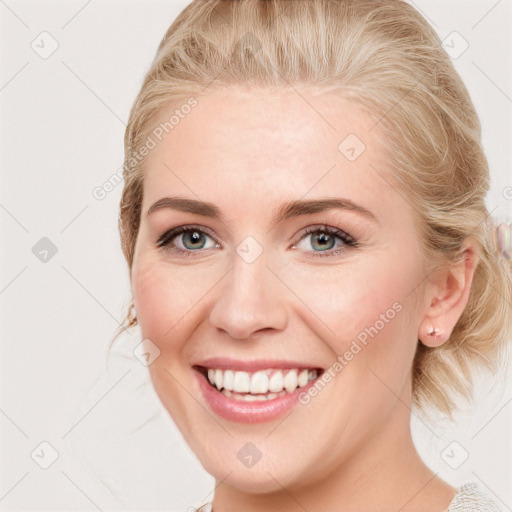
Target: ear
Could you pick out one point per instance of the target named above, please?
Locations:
(446, 296)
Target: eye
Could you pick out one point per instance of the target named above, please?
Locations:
(186, 240)
(324, 239)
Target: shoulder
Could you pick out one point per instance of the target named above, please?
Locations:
(470, 498)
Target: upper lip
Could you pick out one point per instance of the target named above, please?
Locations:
(224, 363)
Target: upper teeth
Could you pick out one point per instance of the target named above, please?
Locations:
(261, 381)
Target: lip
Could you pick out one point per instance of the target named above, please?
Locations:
(225, 363)
(248, 412)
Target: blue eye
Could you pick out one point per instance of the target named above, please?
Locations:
(192, 239)
(324, 238)
(187, 240)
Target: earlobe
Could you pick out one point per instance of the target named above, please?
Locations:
(451, 288)
(433, 336)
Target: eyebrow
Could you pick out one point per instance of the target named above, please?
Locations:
(287, 210)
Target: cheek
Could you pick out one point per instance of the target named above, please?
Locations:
(351, 297)
(160, 302)
(379, 344)
(152, 297)
(169, 299)
(369, 312)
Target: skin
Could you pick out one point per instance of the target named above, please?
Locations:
(248, 152)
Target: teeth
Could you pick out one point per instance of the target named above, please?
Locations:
(276, 382)
(290, 381)
(303, 378)
(218, 379)
(259, 383)
(241, 382)
(252, 398)
(228, 380)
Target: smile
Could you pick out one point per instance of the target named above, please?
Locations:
(253, 396)
(261, 385)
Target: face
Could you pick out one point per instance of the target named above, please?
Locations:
(256, 288)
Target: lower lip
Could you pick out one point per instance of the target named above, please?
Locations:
(241, 411)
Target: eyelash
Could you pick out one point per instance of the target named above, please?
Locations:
(348, 241)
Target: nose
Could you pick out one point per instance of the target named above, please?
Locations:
(251, 299)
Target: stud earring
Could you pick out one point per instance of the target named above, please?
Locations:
(434, 337)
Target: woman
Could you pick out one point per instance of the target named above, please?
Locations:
(309, 249)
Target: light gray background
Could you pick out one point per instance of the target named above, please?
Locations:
(62, 124)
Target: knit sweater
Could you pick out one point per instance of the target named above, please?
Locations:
(468, 499)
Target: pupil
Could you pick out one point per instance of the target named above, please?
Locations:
(322, 239)
(194, 235)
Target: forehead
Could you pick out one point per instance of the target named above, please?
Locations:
(280, 136)
(250, 152)
(290, 114)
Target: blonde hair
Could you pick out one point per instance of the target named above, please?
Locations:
(385, 57)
